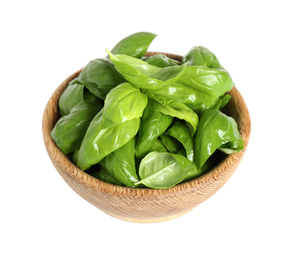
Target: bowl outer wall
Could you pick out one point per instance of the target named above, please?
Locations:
(138, 204)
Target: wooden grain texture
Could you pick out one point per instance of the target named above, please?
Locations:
(144, 205)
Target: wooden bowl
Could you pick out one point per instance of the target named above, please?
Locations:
(141, 204)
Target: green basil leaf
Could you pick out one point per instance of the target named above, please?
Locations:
(194, 172)
(134, 45)
(69, 130)
(100, 76)
(179, 110)
(157, 147)
(71, 96)
(161, 61)
(214, 130)
(171, 144)
(153, 124)
(124, 102)
(210, 83)
(121, 164)
(232, 146)
(143, 75)
(163, 170)
(98, 141)
(180, 93)
(201, 56)
(105, 176)
(222, 101)
(87, 95)
(181, 132)
(199, 88)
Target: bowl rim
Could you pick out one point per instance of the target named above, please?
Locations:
(61, 160)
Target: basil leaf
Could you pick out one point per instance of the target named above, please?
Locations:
(121, 164)
(100, 76)
(210, 83)
(232, 146)
(105, 176)
(70, 129)
(201, 56)
(98, 141)
(161, 61)
(222, 101)
(163, 170)
(134, 45)
(179, 110)
(71, 96)
(180, 93)
(198, 88)
(171, 144)
(181, 132)
(194, 172)
(201, 84)
(157, 147)
(214, 130)
(153, 124)
(124, 102)
(143, 75)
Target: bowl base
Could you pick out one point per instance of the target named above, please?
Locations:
(145, 220)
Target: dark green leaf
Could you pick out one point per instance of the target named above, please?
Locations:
(70, 97)
(171, 144)
(70, 129)
(161, 61)
(153, 124)
(100, 76)
(181, 132)
(105, 176)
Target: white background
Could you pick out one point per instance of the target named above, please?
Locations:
(254, 216)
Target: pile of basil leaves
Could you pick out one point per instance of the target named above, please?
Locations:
(149, 122)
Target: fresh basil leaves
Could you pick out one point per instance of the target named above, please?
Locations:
(144, 121)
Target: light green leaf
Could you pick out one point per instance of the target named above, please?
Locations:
(98, 141)
(163, 170)
(134, 45)
(214, 131)
(124, 102)
(143, 75)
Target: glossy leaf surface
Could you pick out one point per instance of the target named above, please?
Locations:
(171, 144)
(69, 131)
(134, 45)
(124, 102)
(143, 75)
(201, 56)
(161, 61)
(153, 124)
(181, 132)
(98, 141)
(163, 170)
(71, 96)
(105, 176)
(121, 164)
(179, 110)
(215, 130)
(100, 76)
